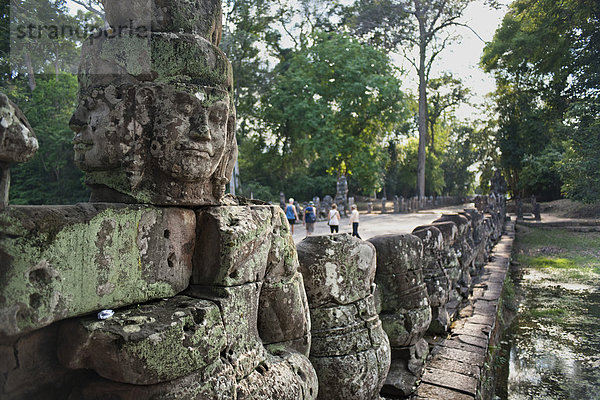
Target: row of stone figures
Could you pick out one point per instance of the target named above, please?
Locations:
(413, 204)
(217, 303)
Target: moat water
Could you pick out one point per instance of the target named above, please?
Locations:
(552, 349)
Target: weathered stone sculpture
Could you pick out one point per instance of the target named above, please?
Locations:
(18, 143)
(480, 251)
(435, 277)
(405, 311)
(341, 196)
(350, 350)
(156, 122)
(498, 183)
(464, 249)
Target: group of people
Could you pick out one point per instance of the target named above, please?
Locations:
(310, 218)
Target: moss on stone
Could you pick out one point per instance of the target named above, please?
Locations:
(60, 269)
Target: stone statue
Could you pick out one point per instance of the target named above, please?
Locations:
(341, 197)
(156, 121)
(498, 183)
(18, 143)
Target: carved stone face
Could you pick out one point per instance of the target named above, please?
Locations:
(190, 133)
(108, 125)
(17, 141)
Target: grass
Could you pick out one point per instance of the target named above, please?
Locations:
(565, 255)
(549, 313)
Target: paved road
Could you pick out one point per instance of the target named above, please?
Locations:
(381, 224)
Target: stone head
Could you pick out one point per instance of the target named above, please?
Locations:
(18, 143)
(110, 123)
(157, 124)
(192, 132)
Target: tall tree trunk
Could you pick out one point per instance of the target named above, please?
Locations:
(30, 73)
(4, 185)
(56, 62)
(422, 110)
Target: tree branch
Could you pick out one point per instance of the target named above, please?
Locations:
(472, 30)
(435, 53)
(88, 6)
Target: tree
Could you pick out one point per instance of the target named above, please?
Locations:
(402, 176)
(457, 161)
(332, 106)
(411, 24)
(446, 93)
(545, 59)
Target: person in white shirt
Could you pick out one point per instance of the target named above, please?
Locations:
(334, 219)
(354, 221)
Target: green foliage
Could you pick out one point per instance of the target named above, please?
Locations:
(330, 108)
(457, 162)
(546, 60)
(445, 93)
(51, 176)
(540, 175)
(402, 176)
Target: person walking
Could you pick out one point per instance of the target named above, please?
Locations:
(354, 220)
(310, 217)
(291, 214)
(334, 219)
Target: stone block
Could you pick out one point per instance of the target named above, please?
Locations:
(58, 262)
(354, 376)
(35, 368)
(148, 344)
(239, 310)
(433, 392)
(233, 245)
(455, 366)
(283, 314)
(214, 382)
(337, 269)
(291, 377)
(451, 380)
(8, 362)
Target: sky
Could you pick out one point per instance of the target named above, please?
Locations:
(460, 58)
